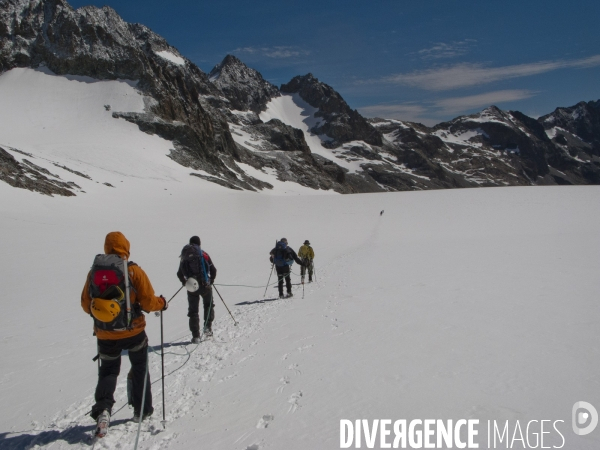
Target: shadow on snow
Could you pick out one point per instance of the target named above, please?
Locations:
(79, 434)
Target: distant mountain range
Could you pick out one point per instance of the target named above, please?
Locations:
(302, 131)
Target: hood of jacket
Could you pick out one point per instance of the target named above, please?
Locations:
(116, 243)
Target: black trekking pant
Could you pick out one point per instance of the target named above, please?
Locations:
(309, 266)
(110, 366)
(284, 272)
(194, 309)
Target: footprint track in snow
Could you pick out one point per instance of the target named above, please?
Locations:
(265, 420)
(306, 347)
(294, 402)
(295, 368)
(284, 382)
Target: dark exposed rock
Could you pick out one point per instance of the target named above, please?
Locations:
(283, 136)
(27, 175)
(220, 181)
(83, 175)
(577, 126)
(244, 87)
(342, 123)
(491, 148)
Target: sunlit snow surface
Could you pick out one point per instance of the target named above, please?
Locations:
(457, 304)
(294, 111)
(478, 303)
(169, 56)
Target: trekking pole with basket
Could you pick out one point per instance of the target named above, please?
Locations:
(270, 274)
(268, 282)
(137, 437)
(234, 321)
(162, 360)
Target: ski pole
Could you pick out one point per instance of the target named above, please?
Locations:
(143, 401)
(234, 321)
(157, 313)
(315, 269)
(162, 360)
(271, 273)
(272, 265)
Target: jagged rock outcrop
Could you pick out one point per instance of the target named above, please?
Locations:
(27, 175)
(244, 87)
(576, 129)
(341, 123)
(490, 148)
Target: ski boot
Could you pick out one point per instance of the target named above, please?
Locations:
(136, 416)
(102, 424)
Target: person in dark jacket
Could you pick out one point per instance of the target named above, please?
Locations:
(283, 256)
(203, 290)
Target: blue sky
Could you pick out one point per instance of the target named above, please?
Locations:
(423, 60)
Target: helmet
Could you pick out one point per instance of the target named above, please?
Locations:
(105, 310)
(192, 284)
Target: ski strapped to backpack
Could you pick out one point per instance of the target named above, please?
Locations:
(109, 289)
(194, 264)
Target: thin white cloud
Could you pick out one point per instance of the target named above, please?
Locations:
(465, 74)
(442, 50)
(410, 112)
(455, 105)
(431, 113)
(277, 52)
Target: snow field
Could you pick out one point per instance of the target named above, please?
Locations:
(453, 304)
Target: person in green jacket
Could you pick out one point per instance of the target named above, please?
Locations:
(306, 254)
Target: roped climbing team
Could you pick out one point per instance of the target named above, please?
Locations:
(115, 293)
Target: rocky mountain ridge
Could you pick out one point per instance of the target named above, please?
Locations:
(245, 88)
(214, 121)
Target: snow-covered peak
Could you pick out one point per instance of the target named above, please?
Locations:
(341, 123)
(581, 121)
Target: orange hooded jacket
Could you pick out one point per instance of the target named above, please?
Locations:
(142, 292)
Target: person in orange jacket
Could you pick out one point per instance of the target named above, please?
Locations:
(132, 337)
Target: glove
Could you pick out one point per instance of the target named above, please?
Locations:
(211, 281)
(183, 282)
(271, 259)
(165, 302)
